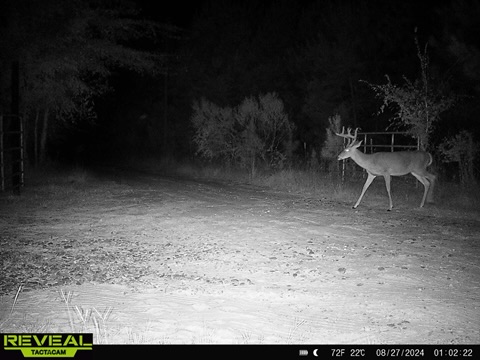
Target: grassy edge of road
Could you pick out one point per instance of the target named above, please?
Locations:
(306, 182)
(314, 182)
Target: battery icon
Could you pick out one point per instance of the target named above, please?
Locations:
(303, 352)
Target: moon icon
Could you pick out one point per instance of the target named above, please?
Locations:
(315, 352)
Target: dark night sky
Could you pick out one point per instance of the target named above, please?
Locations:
(177, 12)
(182, 12)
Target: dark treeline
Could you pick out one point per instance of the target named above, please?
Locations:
(311, 53)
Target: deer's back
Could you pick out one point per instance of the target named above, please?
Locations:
(398, 163)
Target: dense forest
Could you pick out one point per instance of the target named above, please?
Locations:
(109, 79)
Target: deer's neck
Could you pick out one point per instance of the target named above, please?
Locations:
(360, 158)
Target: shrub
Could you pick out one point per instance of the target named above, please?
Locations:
(257, 129)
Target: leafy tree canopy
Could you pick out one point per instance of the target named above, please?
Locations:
(68, 49)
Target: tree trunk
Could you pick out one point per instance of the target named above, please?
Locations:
(35, 138)
(15, 130)
(253, 170)
(43, 137)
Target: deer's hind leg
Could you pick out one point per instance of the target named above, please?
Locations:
(426, 184)
(387, 185)
(432, 178)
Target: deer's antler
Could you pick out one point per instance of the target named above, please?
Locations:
(348, 135)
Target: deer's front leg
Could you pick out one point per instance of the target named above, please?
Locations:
(387, 185)
(365, 187)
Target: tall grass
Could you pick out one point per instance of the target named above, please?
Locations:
(314, 182)
(311, 181)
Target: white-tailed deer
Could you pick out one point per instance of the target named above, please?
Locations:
(389, 164)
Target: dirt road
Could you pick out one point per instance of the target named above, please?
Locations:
(143, 258)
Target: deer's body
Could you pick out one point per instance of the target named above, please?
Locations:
(389, 164)
(393, 163)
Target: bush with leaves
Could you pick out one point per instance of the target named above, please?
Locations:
(257, 129)
(333, 143)
(417, 106)
(214, 133)
(461, 149)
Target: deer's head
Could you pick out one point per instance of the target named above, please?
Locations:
(352, 143)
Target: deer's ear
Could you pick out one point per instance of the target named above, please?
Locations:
(358, 143)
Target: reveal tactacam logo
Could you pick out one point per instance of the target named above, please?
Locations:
(48, 345)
